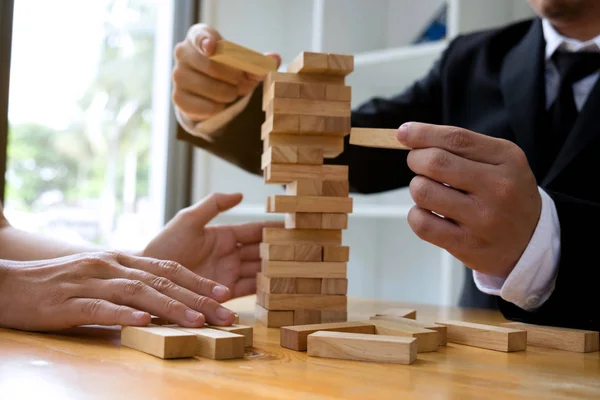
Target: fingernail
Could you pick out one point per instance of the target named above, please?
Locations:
(204, 44)
(220, 291)
(138, 315)
(223, 313)
(403, 131)
(192, 315)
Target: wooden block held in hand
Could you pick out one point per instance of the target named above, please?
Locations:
(308, 62)
(334, 221)
(246, 331)
(275, 285)
(336, 253)
(284, 302)
(277, 252)
(427, 339)
(273, 319)
(159, 341)
(216, 344)
(440, 329)
(304, 187)
(308, 252)
(379, 138)
(336, 188)
(303, 317)
(362, 347)
(332, 146)
(399, 312)
(485, 336)
(340, 64)
(243, 58)
(294, 337)
(308, 286)
(301, 269)
(334, 286)
(286, 173)
(575, 340)
(302, 220)
(315, 236)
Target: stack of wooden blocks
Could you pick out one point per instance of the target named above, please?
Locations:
(303, 278)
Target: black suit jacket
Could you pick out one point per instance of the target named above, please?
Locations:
(491, 82)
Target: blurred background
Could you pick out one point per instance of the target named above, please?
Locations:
(91, 154)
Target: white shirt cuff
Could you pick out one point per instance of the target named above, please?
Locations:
(533, 279)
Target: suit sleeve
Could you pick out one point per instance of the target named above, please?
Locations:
(574, 301)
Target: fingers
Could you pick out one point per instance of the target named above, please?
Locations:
(250, 252)
(196, 108)
(462, 142)
(251, 233)
(244, 287)
(85, 311)
(187, 56)
(249, 269)
(434, 229)
(204, 86)
(203, 38)
(204, 211)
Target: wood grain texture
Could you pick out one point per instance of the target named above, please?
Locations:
(308, 252)
(310, 155)
(379, 138)
(338, 93)
(246, 331)
(575, 340)
(332, 146)
(302, 78)
(295, 337)
(277, 252)
(399, 312)
(440, 329)
(334, 286)
(305, 187)
(302, 269)
(336, 188)
(321, 108)
(485, 336)
(362, 347)
(334, 221)
(270, 284)
(290, 302)
(310, 204)
(286, 173)
(273, 319)
(296, 236)
(427, 339)
(243, 58)
(330, 316)
(284, 90)
(216, 344)
(280, 123)
(303, 317)
(336, 253)
(340, 64)
(308, 62)
(159, 341)
(300, 220)
(308, 286)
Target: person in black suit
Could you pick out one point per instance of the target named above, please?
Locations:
(504, 134)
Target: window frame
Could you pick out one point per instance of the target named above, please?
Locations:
(6, 22)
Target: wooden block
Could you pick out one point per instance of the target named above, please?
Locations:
(273, 319)
(362, 347)
(246, 331)
(301, 269)
(311, 124)
(159, 321)
(399, 312)
(216, 344)
(485, 336)
(314, 91)
(303, 220)
(336, 253)
(427, 339)
(286, 173)
(277, 252)
(281, 90)
(309, 155)
(330, 316)
(159, 341)
(332, 146)
(336, 188)
(294, 337)
(303, 317)
(309, 63)
(309, 286)
(295, 236)
(236, 319)
(340, 64)
(280, 155)
(242, 58)
(575, 340)
(337, 125)
(322, 108)
(334, 221)
(440, 329)
(379, 138)
(302, 78)
(334, 286)
(280, 123)
(338, 93)
(310, 204)
(275, 285)
(308, 252)
(304, 187)
(284, 302)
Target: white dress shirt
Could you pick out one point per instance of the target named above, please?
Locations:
(532, 280)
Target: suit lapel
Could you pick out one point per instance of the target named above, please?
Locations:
(522, 79)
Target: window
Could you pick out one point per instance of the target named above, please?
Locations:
(89, 97)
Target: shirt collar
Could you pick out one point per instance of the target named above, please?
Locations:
(555, 40)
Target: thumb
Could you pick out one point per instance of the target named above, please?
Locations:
(207, 209)
(203, 38)
(276, 56)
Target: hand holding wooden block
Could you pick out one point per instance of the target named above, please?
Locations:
(380, 138)
(242, 58)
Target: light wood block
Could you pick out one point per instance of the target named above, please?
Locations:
(440, 329)
(334, 286)
(485, 336)
(287, 173)
(303, 317)
(314, 91)
(337, 125)
(301, 220)
(273, 319)
(308, 62)
(309, 286)
(427, 339)
(338, 93)
(330, 316)
(236, 318)
(280, 155)
(159, 341)
(277, 252)
(335, 188)
(296, 236)
(309, 155)
(332, 146)
(308, 252)
(340, 64)
(303, 78)
(362, 347)
(301, 269)
(310, 204)
(216, 344)
(281, 90)
(269, 284)
(334, 221)
(154, 320)
(379, 138)
(284, 302)
(242, 58)
(574, 340)
(304, 187)
(399, 312)
(322, 108)
(246, 331)
(294, 337)
(311, 124)
(280, 123)
(336, 253)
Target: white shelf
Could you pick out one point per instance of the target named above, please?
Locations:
(362, 211)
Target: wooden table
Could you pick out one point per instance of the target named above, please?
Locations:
(87, 362)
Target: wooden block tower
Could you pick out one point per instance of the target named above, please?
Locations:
(303, 278)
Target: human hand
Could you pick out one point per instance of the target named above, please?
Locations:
(106, 288)
(202, 87)
(484, 188)
(227, 254)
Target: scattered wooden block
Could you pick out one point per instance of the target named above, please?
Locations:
(159, 341)
(308, 252)
(290, 302)
(302, 78)
(330, 316)
(336, 253)
(427, 340)
(440, 329)
(399, 312)
(574, 340)
(287, 173)
(309, 63)
(246, 331)
(310, 204)
(308, 286)
(300, 220)
(303, 317)
(362, 347)
(336, 188)
(159, 321)
(304, 187)
(310, 155)
(302, 269)
(340, 64)
(334, 221)
(294, 337)
(273, 319)
(322, 108)
(242, 58)
(332, 146)
(379, 138)
(485, 336)
(334, 286)
(216, 344)
(269, 284)
(297, 236)
(277, 252)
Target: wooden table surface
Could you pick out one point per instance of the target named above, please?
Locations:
(87, 362)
